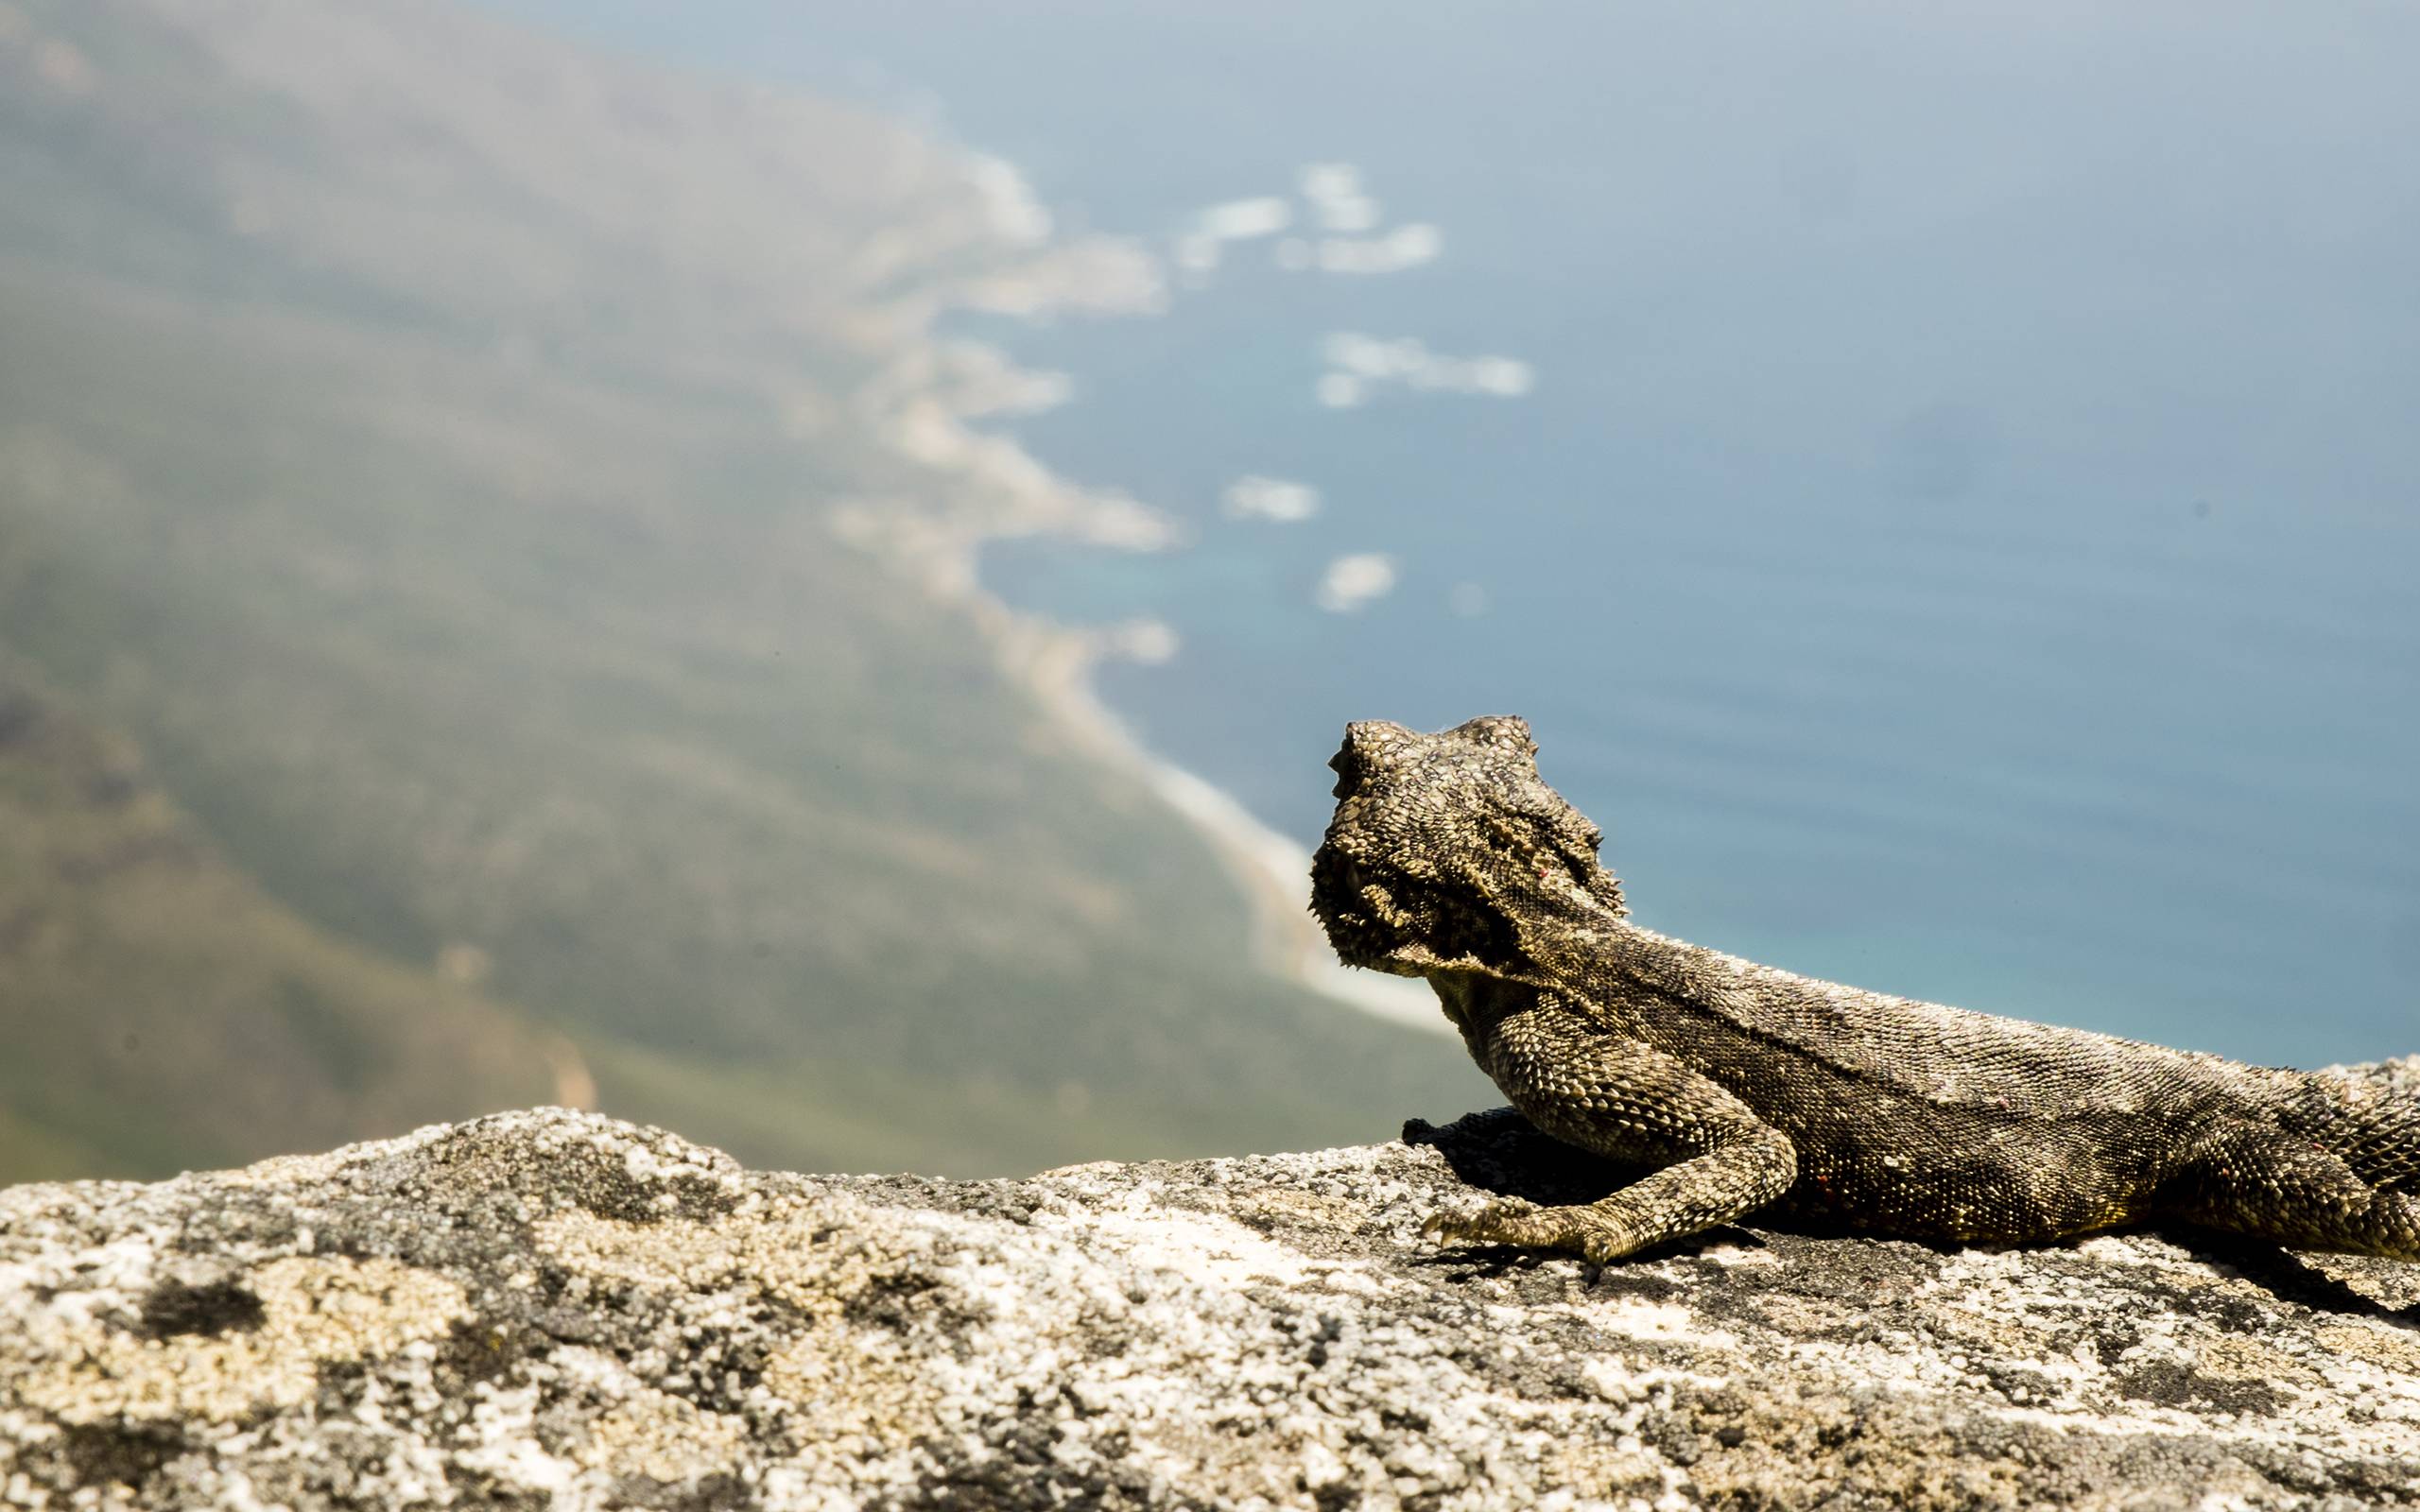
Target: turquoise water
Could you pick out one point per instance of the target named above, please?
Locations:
(1964, 537)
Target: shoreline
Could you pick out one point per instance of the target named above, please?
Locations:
(1053, 663)
(986, 487)
(1273, 872)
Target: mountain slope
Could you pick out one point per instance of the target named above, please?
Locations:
(423, 437)
(161, 1014)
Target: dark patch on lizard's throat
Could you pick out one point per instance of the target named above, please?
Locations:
(1381, 920)
(1353, 929)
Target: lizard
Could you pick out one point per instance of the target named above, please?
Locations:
(1745, 1086)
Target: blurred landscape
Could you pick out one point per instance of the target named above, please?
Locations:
(431, 675)
(789, 570)
(1940, 482)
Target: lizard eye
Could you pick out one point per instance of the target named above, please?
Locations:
(1509, 733)
(1369, 745)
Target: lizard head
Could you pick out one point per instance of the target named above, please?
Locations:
(1446, 849)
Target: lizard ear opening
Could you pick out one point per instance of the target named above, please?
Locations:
(1578, 839)
(1601, 882)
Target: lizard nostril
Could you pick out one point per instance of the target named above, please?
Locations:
(1348, 774)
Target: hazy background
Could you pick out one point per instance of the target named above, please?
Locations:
(487, 496)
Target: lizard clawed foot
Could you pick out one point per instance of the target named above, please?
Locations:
(1584, 1231)
(1494, 1223)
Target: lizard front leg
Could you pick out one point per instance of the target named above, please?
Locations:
(1627, 1101)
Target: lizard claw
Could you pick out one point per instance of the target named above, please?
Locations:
(1496, 1222)
(1589, 1232)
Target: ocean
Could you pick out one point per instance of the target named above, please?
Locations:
(1943, 486)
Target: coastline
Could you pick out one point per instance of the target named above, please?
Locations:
(1273, 872)
(984, 487)
(1054, 663)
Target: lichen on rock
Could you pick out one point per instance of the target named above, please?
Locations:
(552, 1307)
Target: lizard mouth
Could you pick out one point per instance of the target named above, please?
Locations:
(1348, 905)
(1364, 919)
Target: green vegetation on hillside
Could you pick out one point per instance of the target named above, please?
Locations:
(161, 1013)
(414, 465)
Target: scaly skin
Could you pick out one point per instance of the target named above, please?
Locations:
(1749, 1087)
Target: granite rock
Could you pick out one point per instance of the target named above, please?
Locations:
(550, 1308)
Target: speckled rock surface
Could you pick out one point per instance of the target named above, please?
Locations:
(557, 1309)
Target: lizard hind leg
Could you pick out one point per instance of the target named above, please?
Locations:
(2384, 1146)
(2385, 1151)
(2376, 1133)
(2274, 1184)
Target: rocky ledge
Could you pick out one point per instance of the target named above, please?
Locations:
(554, 1307)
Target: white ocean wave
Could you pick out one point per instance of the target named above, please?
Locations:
(1097, 275)
(1360, 364)
(1015, 211)
(1340, 390)
(1240, 220)
(1198, 253)
(1255, 497)
(1350, 213)
(1327, 182)
(1146, 641)
(1356, 580)
(1405, 246)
